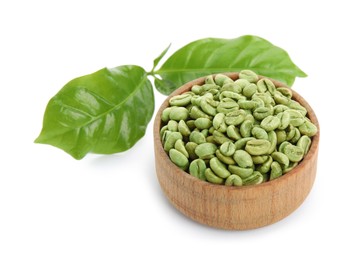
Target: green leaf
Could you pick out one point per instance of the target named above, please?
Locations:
(104, 112)
(215, 55)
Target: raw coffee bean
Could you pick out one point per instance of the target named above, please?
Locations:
(197, 169)
(258, 147)
(179, 159)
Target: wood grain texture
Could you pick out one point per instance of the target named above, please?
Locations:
(235, 208)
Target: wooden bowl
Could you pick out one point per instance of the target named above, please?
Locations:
(235, 208)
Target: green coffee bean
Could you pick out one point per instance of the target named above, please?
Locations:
(243, 159)
(270, 86)
(207, 87)
(245, 128)
(211, 177)
(284, 120)
(280, 136)
(183, 128)
(196, 112)
(225, 159)
(247, 104)
(265, 167)
(171, 139)
(259, 159)
(280, 108)
(180, 146)
(285, 91)
(294, 153)
(190, 148)
(178, 113)
(165, 114)
(296, 105)
(280, 99)
(242, 83)
(266, 97)
(308, 128)
(233, 180)
(249, 75)
(219, 123)
(233, 87)
(276, 170)
(255, 178)
(227, 105)
(197, 137)
(258, 101)
(211, 101)
(165, 136)
(235, 118)
(181, 100)
(179, 159)
(227, 148)
(242, 172)
(221, 79)
(197, 169)
(259, 133)
(261, 86)
(258, 147)
(270, 123)
(207, 107)
(273, 141)
(219, 168)
(249, 90)
(233, 132)
(205, 150)
(210, 80)
(296, 136)
(291, 132)
(203, 123)
(304, 142)
(162, 131)
(172, 126)
(296, 118)
(261, 112)
(230, 94)
(264, 85)
(281, 158)
(283, 145)
(197, 89)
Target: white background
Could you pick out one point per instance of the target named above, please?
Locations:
(111, 207)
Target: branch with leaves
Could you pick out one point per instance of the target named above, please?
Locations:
(108, 111)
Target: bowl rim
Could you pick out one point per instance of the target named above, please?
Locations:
(235, 75)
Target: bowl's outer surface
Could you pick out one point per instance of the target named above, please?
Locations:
(236, 208)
